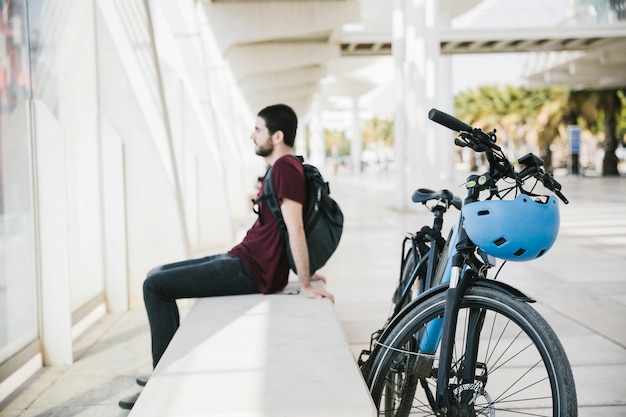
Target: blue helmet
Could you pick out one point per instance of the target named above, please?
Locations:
(521, 229)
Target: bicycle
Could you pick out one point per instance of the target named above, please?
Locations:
(466, 344)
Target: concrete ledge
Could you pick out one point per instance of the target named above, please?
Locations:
(257, 355)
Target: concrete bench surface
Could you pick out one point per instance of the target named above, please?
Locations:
(257, 355)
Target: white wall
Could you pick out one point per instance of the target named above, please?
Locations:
(140, 150)
(150, 178)
(184, 181)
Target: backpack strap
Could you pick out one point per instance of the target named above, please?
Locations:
(272, 202)
(270, 198)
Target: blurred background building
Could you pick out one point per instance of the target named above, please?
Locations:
(125, 124)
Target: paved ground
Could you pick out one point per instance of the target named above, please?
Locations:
(580, 287)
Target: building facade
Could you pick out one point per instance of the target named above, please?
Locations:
(124, 144)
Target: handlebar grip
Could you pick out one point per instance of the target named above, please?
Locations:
(561, 196)
(448, 121)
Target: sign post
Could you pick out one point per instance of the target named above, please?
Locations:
(573, 159)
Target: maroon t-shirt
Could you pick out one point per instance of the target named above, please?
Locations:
(262, 249)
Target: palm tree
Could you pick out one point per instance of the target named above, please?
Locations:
(525, 118)
(548, 120)
(611, 107)
(599, 110)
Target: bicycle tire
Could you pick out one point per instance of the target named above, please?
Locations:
(522, 368)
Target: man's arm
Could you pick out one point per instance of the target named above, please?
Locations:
(292, 216)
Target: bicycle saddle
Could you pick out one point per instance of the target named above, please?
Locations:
(422, 195)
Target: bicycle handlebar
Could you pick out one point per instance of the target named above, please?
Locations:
(448, 121)
(500, 166)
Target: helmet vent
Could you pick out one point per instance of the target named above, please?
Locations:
(499, 242)
(541, 252)
(519, 252)
(483, 212)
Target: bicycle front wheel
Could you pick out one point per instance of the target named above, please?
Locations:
(507, 361)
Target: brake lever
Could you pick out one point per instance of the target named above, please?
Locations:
(550, 183)
(561, 196)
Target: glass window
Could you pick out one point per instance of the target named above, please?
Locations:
(18, 289)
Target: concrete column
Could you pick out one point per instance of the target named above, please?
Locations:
(113, 191)
(317, 156)
(399, 131)
(51, 197)
(300, 148)
(422, 55)
(444, 138)
(418, 38)
(356, 139)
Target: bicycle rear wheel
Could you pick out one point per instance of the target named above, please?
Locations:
(408, 271)
(519, 366)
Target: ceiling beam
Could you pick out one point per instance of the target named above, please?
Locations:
(465, 41)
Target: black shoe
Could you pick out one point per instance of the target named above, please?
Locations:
(128, 402)
(142, 379)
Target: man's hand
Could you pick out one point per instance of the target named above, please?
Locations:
(318, 277)
(316, 294)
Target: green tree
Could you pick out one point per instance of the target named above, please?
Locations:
(611, 106)
(621, 121)
(521, 116)
(377, 129)
(601, 111)
(336, 143)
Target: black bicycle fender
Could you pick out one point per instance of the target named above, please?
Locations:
(487, 283)
(504, 287)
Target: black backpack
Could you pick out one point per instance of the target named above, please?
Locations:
(323, 219)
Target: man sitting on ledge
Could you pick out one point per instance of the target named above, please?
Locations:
(256, 265)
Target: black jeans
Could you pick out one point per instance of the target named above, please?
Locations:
(205, 277)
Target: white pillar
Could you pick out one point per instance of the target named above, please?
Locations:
(50, 190)
(444, 138)
(317, 156)
(422, 54)
(300, 148)
(399, 131)
(418, 39)
(114, 218)
(356, 139)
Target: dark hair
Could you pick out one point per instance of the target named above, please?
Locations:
(281, 117)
